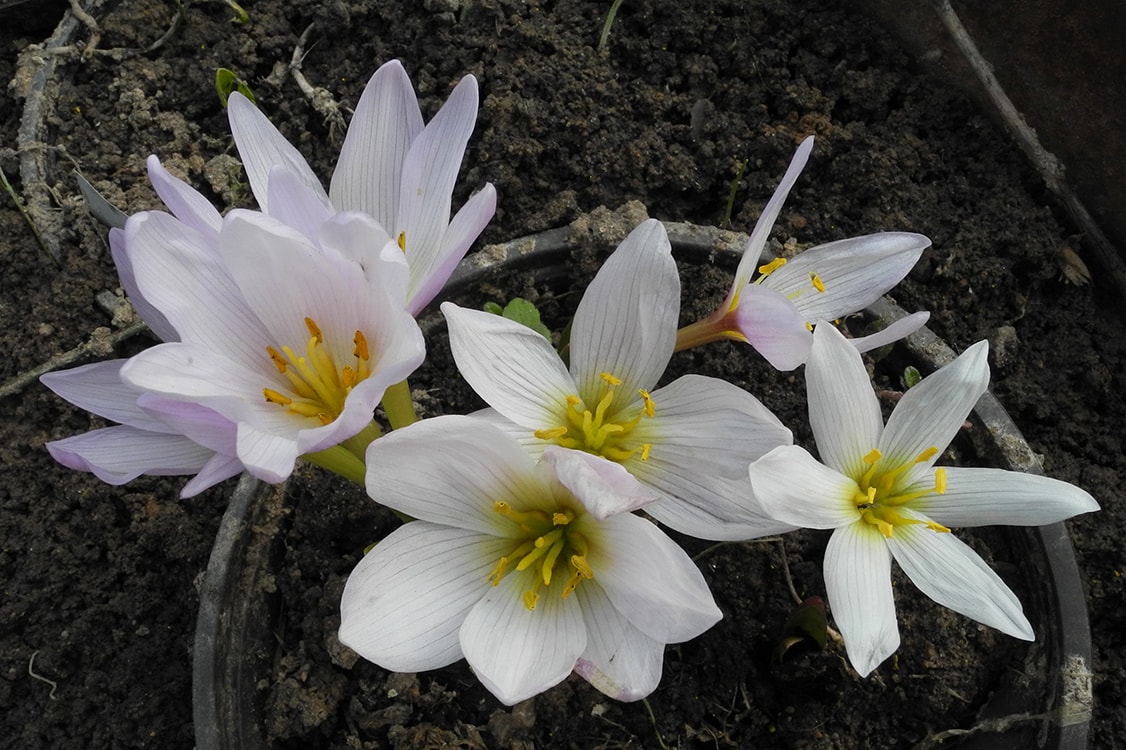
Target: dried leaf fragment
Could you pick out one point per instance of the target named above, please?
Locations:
(1072, 268)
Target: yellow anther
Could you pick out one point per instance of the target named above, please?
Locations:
(552, 433)
(610, 378)
(277, 359)
(276, 398)
(809, 326)
(361, 350)
(314, 330)
(403, 241)
(646, 448)
(772, 266)
(650, 409)
(530, 597)
(582, 566)
(348, 377)
(940, 480)
(937, 527)
(872, 456)
(818, 284)
(562, 519)
(926, 455)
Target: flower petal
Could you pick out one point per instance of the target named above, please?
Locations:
(98, 388)
(620, 660)
(899, 329)
(603, 487)
(794, 487)
(516, 652)
(120, 454)
(295, 204)
(185, 202)
(626, 322)
(153, 318)
(218, 469)
(858, 581)
(932, 412)
(984, 497)
(464, 228)
(949, 572)
(773, 326)
(407, 598)
(651, 581)
(513, 368)
(723, 510)
(843, 410)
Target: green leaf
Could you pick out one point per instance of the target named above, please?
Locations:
(911, 377)
(521, 311)
(226, 82)
(806, 625)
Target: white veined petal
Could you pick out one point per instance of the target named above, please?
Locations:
(296, 204)
(984, 497)
(465, 227)
(193, 420)
(843, 410)
(899, 329)
(407, 598)
(450, 470)
(219, 468)
(794, 487)
(267, 454)
(650, 580)
(185, 203)
(603, 487)
(120, 454)
(531, 444)
(626, 322)
(369, 170)
(513, 368)
(773, 326)
(858, 582)
(932, 412)
(261, 147)
(153, 318)
(949, 572)
(855, 273)
(98, 388)
(518, 653)
(620, 660)
(722, 510)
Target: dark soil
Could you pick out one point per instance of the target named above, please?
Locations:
(100, 584)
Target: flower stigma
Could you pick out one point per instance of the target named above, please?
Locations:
(551, 544)
(598, 431)
(881, 495)
(317, 385)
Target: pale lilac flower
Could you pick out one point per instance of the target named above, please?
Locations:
(392, 168)
(508, 568)
(777, 311)
(280, 336)
(156, 436)
(683, 447)
(878, 488)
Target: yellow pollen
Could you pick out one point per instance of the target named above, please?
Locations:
(809, 327)
(872, 456)
(818, 284)
(361, 350)
(926, 455)
(276, 398)
(403, 241)
(883, 495)
(650, 410)
(607, 430)
(607, 377)
(314, 331)
(550, 545)
(771, 267)
(277, 359)
(940, 480)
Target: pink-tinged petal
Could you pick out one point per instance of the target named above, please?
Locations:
(766, 219)
(843, 410)
(98, 388)
(626, 322)
(952, 574)
(218, 469)
(261, 147)
(900, 329)
(513, 368)
(984, 497)
(120, 454)
(723, 510)
(153, 318)
(651, 581)
(450, 470)
(184, 201)
(465, 227)
(603, 487)
(620, 660)
(794, 487)
(428, 179)
(369, 170)
(407, 598)
(773, 326)
(931, 413)
(296, 204)
(205, 426)
(858, 581)
(854, 273)
(516, 652)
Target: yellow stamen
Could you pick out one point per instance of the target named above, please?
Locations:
(650, 409)
(276, 398)
(403, 241)
(361, 350)
(772, 266)
(314, 331)
(818, 284)
(940, 480)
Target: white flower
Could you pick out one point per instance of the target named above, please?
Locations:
(776, 313)
(279, 336)
(525, 579)
(391, 168)
(685, 445)
(878, 488)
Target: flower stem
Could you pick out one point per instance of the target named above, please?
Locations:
(358, 444)
(399, 406)
(340, 460)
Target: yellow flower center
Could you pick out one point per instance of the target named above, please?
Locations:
(317, 385)
(605, 431)
(882, 495)
(552, 546)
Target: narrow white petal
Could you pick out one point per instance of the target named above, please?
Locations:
(98, 388)
(984, 497)
(513, 368)
(723, 510)
(369, 170)
(773, 326)
(261, 147)
(206, 427)
(626, 322)
(465, 227)
(794, 487)
(620, 660)
(518, 653)
(451, 470)
(219, 468)
(407, 598)
(932, 412)
(153, 318)
(948, 571)
(651, 581)
(858, 581)
(843, 410)
(900, 329)
(855, 273)
(296, 204)
(603, 487)
(184, 201)
(120, 454)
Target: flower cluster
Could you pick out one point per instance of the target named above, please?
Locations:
(533, 546)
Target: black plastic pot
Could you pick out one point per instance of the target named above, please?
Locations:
(1049, 708)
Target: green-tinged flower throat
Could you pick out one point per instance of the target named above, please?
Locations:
(881, 496)
(318, 385)
(597, 431)
(551, 548)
